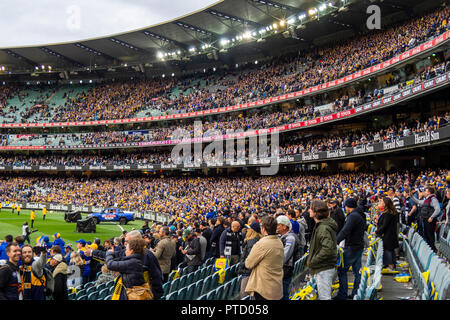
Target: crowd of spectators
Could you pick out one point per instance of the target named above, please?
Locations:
(278, 76)
(294, 144)
(261, 222)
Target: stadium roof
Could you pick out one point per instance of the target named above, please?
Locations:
(229, 27)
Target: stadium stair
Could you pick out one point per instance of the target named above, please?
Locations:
(430, 275)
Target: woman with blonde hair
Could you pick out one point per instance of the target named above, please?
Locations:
(252, 236)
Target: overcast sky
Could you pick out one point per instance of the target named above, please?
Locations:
(32, 22)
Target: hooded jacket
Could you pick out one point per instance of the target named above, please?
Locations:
(322, 252)
(60, 278)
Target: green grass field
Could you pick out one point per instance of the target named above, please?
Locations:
(54, 222)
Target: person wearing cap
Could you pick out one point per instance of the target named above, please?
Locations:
(353, 234)
(192, 250)
(58, 241)
(252, 236)
(81, 246)
(291, 245)
(60, 277)
(203, 242)
(322, 255)
(67, 253)
(337, 214)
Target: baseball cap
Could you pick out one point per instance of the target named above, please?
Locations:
(284, 220)
(187, 232)
(83, 242)
(58, 257)
(255, 226)
(57, 235)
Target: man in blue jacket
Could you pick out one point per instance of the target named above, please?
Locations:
(8, 240)
(353, 234)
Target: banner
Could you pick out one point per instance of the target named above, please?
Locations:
(425, 138)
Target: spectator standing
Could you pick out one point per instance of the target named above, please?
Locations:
(252, 236)
(337, 214)
(130, 266)
(266, 262)
(10, 281)
(192, 251)
(164, 251)
(387, 230)
(409, 209)
(231, 243)
(428, 213)
(32, 274)
(81, 246)
(3, 245)
(322, 254)
(291, 245)
(207, 233)
(353, 234)
(203, 242)
(60, 277)
(295, 225)
(215, 236)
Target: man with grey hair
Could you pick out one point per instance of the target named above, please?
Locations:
(152, 269)
(291, 245)
(164, 251)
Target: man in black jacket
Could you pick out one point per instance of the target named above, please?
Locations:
(215, 236)
(353, 234)
(207, 233)
(337, 214)
(230, 243)
(192, 251)
(9, 274)
(151, 264)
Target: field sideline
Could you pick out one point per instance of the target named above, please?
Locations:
(54, 222)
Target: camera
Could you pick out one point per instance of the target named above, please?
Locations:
(37, 250)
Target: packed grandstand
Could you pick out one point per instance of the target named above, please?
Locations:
(353, 122)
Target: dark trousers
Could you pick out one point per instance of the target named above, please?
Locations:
(165, 277)
(32, 223)
(286, 283)
(257, 296)
(429, 234)
(352, 258)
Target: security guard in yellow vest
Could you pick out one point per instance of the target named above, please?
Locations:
(44, 213)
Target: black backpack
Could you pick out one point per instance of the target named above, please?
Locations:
(287, 270)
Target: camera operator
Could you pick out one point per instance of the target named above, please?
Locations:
(32, 272)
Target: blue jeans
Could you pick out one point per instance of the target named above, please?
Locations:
(352, 258)
(286, 283)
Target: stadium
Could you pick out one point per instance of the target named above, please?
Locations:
(249, 150)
